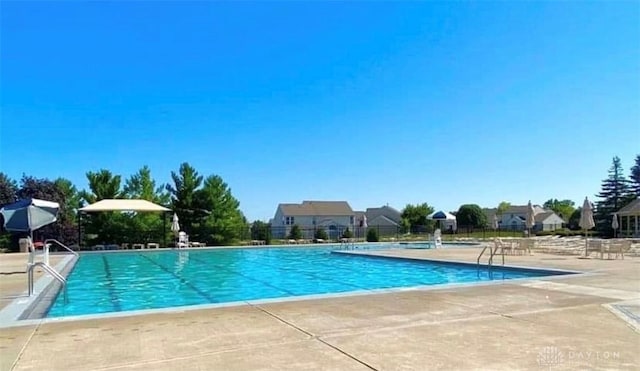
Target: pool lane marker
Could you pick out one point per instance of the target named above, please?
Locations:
(115, 301)
(222, 268)
(181, 279)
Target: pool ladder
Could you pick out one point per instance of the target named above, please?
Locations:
(44, 264)
(47, 268)
(493, 250)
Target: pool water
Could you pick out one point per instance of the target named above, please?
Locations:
(116, 282)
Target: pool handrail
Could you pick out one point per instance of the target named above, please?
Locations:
(49, 240)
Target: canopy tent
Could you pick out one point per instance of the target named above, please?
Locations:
(124, 205)
(442, 215)
(445, 220)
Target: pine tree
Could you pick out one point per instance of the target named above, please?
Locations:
(635, 178)
(613, 196)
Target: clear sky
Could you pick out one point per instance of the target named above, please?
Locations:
(370, 102)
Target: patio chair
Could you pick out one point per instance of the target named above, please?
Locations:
(617, 248)
(595, 245)
(502, 246)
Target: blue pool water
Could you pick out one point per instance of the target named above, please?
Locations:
(115, 282)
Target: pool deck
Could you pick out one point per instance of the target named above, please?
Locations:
(565, 322)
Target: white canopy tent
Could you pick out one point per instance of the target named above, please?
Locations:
(123, 205)
(136, 205)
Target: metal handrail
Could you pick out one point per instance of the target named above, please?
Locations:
(52, 272)
(480, 256)
(60, 244)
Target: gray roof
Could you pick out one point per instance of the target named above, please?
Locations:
(633, 208)
(387, 211)
(317, 208)
(540, 217)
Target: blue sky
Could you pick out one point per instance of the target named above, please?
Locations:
(369, 102)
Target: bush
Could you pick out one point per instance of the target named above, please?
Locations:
(347, 233)
(372, 235)
(295, 233)
(321, 234)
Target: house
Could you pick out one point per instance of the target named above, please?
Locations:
(385, 216)
(333, 216)
(515, 218)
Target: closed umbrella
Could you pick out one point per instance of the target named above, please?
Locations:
(531, 217)
(614, 224)
(586, 220)
(494, 224)
(175, 225)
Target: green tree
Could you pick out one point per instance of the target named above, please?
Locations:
(372, 235)
(224, 221)
(8, 194)
(613, 196)
(295, 233)
(634, 177)
(261, 231)
(142, 186)
(8, 190)
(321, 234)
(185, 184)
(146, 226)
(103, 227)
(416, 215)
(102, 185)
(574, 219)
(69, 212)
(471, 216)
(347, 233)
(564, 208)
(502, 208)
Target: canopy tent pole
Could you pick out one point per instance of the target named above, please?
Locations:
(79, 229)
(164, 228)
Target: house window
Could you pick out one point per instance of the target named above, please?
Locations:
(288, 220)
(352, 219)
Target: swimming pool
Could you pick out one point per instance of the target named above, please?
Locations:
(117, 282)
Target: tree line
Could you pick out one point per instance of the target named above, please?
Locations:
(617, 191)
(206, 208)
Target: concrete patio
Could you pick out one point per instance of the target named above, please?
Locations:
(562, 323)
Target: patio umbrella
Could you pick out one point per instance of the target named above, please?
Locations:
(614, 224)
(531, 221)
(29, 214)
(175, 225)
(494, 223)
(586, 220)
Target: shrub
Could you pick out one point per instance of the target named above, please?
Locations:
(321, 234)
(295, 233)
(372, 235)
(347, 233)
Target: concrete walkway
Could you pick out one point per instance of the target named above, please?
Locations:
(564, 323)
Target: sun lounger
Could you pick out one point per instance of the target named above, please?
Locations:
(153, 245)
(137, 246)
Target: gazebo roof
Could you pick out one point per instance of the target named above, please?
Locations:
(123, 205)
(633, 208)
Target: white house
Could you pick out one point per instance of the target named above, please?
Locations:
(333, 216)
(515, 218)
